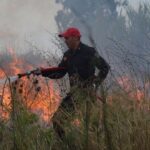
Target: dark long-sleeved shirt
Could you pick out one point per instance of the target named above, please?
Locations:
(81, 62)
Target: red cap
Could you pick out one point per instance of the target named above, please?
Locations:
(70, 32)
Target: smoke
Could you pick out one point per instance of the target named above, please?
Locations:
(135, 3)
(29, 19)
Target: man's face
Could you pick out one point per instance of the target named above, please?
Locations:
(71, 42)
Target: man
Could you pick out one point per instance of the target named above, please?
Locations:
(80, 62)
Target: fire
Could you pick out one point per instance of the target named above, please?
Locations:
(130, 87)
(16, 63)
(46, 101)
(37, 93)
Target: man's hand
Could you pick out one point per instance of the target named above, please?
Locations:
(37, 71)
(97, 81)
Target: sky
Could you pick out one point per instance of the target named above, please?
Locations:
(31, 19)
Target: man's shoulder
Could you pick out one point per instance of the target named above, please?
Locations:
(87, 48)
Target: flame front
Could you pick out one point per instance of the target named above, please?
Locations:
(132, 88)
(39, 97)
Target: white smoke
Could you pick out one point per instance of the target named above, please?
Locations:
(27, 19)
(135, 3)
(22, 20)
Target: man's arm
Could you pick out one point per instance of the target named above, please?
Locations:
(101, 65)
(55, 72)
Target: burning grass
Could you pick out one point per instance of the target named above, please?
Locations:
(39, 95)
(118, 120)
(118, 123)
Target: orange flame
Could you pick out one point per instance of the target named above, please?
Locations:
(126, 83)
(42, 102)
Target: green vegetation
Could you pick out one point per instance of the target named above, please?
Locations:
(116, 123)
